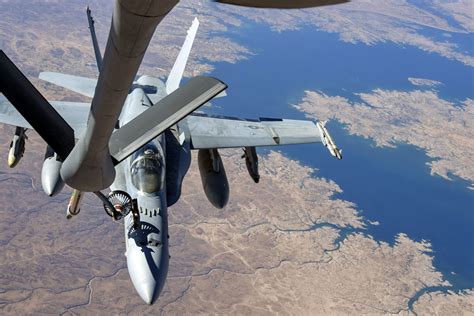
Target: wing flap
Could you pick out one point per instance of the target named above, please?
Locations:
(219, 132)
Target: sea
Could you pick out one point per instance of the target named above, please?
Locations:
(391, 186)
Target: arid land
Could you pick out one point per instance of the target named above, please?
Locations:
(287, 245)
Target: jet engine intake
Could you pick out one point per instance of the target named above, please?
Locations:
(51, 180)
(213, 177)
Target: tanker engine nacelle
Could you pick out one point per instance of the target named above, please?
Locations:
(50, 173)
(213, 177)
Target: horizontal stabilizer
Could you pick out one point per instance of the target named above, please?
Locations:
(167, 112)
(81, 85)
(282, 4)
(35, 108)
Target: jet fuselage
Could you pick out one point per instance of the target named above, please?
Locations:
(143, 177)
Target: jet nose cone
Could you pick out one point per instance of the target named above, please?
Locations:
(147, 291)
(148, 267)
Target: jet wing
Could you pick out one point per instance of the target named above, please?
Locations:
(74, 113)
(207, 132)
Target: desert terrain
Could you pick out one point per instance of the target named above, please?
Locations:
(288, 245)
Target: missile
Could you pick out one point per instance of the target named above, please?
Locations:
(17, 147)
(74, 206)
(327, 140)
(50, 173)
(251, 161)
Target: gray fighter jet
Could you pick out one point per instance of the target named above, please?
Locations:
(136, 136)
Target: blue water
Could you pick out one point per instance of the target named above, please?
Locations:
(390, 185)
(427, 5)
(464, 42)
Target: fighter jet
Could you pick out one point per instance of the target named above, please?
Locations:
(136, 136)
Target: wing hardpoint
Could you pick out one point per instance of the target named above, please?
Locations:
(208, 132)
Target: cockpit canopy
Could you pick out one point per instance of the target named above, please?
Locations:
(147, 169)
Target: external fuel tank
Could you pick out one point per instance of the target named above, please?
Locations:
(213, 177)
(50, 173)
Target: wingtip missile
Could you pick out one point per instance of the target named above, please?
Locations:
(327, 140)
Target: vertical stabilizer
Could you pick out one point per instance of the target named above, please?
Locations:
(178, 68)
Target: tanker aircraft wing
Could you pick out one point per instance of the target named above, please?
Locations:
(283, 4)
